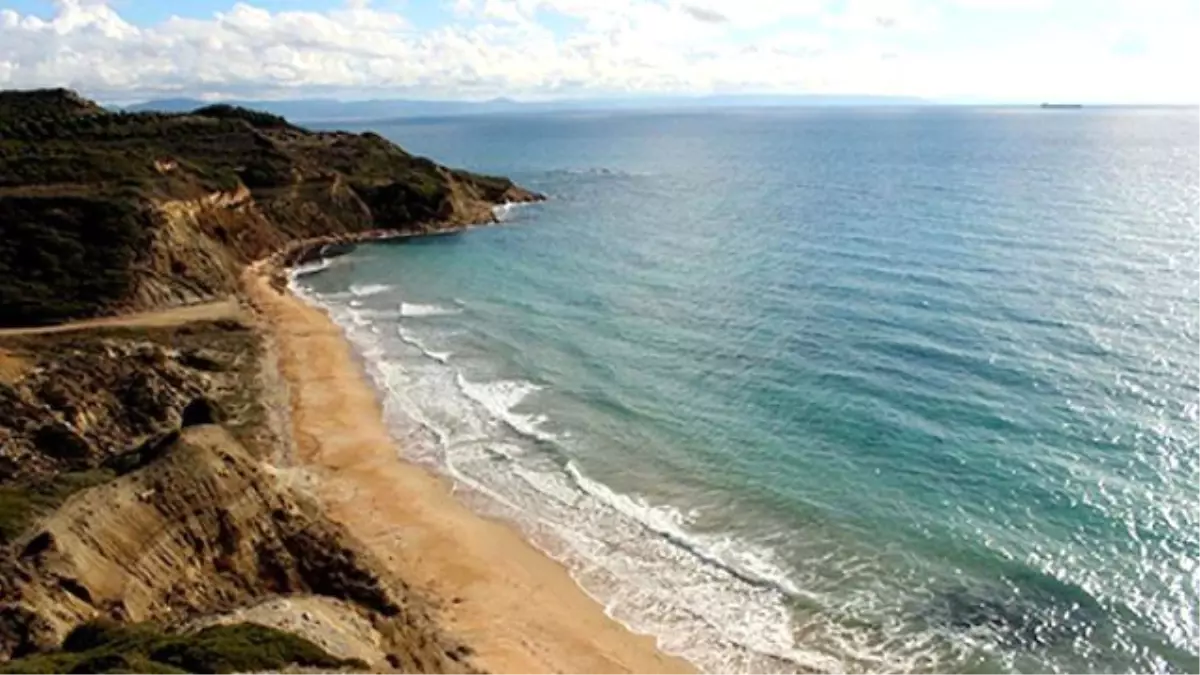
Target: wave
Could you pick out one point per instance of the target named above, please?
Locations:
(718, 600)
(408, 337)
(752, 567)
(365, 290)
(598, 171)
(412, 309)
(309, 268)
(358, 317)
(504, 211)
(500, 397)
(737, 593)
(729, 587)
(386, 314)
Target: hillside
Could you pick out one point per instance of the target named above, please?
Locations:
(104, 212)
(153, 514)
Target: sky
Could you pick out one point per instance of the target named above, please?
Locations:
(1111, 51)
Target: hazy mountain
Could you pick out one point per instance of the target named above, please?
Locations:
(334, 110)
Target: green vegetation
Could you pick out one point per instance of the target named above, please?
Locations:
(78, 186)
(95, 152)
(62, 256)
(493, 185)
(43, 103)
(21, 503)
(244, 648)
(106, 647)
(256, 118)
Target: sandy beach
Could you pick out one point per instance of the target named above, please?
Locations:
(517, 608)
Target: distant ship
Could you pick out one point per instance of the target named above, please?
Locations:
(1062, 106)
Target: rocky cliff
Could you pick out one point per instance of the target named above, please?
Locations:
(105, 212)
(144, 458)
(204, 528)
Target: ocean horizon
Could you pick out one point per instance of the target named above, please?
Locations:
(820, 389)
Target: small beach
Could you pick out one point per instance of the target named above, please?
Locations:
(516, 608)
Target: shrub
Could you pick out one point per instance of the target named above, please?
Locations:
(256, 118)
(107, 647)
(63, 257)
(244, 647)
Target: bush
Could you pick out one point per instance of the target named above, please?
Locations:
(108, 647)
(256, 118)
(65, 257)
(244, 647)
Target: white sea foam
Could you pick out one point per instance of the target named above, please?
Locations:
(663, 520)
(738, 591)
(407, 336)
(381, 314)
(751, 564)
(546, 484)
(358, 318)
(499, 398)
(412, 309)
(715, 599)
(309, 268)
(365, 290)
(502, 211)
(505, 211)
(480, 486)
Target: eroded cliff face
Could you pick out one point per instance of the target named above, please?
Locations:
(204, 528)
(144, 479)
(82, 400)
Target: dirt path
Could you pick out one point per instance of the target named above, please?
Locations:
(208, 311)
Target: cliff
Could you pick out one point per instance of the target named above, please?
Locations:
(150, 514)
(205, 528)
(105, 212)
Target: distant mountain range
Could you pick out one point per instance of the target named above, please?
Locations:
(335, 110)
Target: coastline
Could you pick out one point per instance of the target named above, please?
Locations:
(517, 608)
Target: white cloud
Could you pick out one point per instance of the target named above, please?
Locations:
(1004, 5)
(505, 47)
(883, 15)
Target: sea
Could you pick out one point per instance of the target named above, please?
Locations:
(820, 389)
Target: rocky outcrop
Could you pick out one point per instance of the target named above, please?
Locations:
(138, 485)
(84, 401)
(205, 528)
(102, 213)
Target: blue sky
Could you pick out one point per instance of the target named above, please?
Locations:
(1121, 51)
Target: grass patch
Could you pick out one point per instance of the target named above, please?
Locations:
(105, 647)
(21, 504)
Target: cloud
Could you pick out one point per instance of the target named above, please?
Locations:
(543, 48)
(1004, 5)
(873, 15)
(702, 14)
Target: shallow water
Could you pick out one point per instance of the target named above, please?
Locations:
(834, 389)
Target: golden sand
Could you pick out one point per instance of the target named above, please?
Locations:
(516, 607)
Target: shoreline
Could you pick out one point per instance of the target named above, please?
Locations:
(515, 606)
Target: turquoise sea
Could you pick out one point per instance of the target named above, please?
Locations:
(832, 389)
